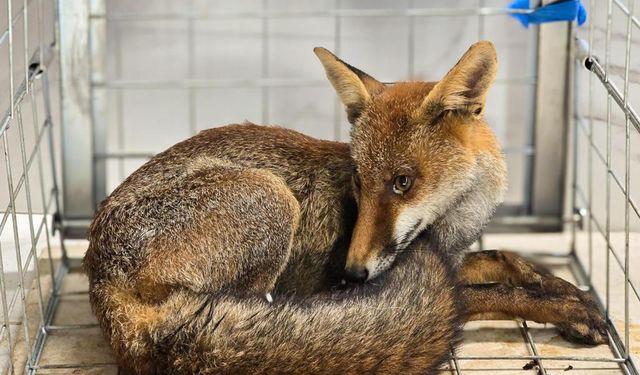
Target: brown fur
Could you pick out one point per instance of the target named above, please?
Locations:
(182, 253)
(502, 285)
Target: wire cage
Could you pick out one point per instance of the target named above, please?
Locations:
(31, 265)
(161, 72)
(91, 89)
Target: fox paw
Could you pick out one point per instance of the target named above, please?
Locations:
(582, 321)
(585, 333)
(574, 311)
(587, 324)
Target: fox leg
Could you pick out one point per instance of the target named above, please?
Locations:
(578, 320)
(494, 266)
(503, 285)
(238, 237)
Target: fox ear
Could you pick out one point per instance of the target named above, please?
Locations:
(464, 88)
(354, 87)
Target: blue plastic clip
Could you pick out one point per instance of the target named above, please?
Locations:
(561, 10)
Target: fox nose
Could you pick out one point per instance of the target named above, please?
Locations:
(356, 274)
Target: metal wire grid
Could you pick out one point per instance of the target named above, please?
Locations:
(30, 172)
(106, 159)
(584, 202)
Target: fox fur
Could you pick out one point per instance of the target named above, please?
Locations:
(183, 252)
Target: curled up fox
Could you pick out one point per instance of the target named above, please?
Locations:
(183, 253)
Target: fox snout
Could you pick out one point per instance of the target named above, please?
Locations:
(359, 269)
(361, 258)
(372, 268)
(356, 273)
(369, 252)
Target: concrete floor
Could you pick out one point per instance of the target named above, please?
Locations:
(82, 350)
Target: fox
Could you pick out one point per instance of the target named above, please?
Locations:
(257, 249)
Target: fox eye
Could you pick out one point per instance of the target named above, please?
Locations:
(402, 184)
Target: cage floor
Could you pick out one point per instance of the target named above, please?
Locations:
(76, 345)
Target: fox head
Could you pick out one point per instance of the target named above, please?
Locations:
(426, 162)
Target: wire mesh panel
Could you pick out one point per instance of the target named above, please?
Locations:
(607, 166)
(29, 277)
(163, 70)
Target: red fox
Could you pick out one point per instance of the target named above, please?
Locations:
(182, 254)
